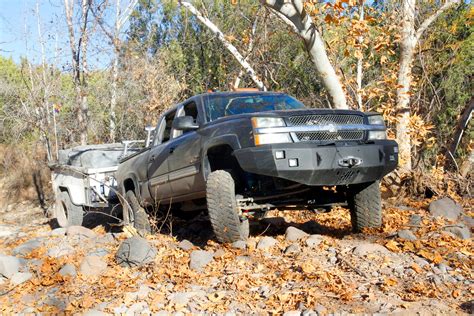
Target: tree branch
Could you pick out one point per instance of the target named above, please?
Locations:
(426, 23)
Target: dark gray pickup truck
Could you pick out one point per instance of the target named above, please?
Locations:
(240, 154)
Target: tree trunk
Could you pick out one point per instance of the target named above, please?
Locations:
(360, 61)
(407, 50)
(231, 48)
(294, 14)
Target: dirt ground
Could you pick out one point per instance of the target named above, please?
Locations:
(325, 269)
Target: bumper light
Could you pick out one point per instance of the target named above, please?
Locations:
(280, 154)
(262, 139)
(293, 162)
(377, 135)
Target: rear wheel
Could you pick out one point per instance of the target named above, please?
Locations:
(67, 213)
(227, 223)
(135, 215)
(365, 205)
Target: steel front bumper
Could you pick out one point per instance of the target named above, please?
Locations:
(335, 164)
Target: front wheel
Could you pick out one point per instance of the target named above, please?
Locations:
(67, 213)
(365, 205)
(227, 223)
(134, 214)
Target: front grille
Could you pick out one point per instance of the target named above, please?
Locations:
(322, 136)
(336, 119)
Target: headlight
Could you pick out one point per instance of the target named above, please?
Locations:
(374, 135)
(262, 139)
(376, 120)
(261, 122)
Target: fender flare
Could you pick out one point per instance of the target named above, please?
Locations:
(229, 139)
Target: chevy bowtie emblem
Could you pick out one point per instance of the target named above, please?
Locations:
(332, 129)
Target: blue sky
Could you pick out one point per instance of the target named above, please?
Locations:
(19, 34)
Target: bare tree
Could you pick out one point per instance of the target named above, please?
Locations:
(228, 45)
(360, 60)
(121, 17)
(410, 36)
(293, 13)
(79, 62)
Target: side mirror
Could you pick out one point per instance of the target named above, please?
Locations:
(185, 123)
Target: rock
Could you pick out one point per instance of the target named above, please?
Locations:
(445, 207)
(239, 244)
(62, 249)
(6, 231)
(100, 252)
(420, 261)
(27, 247)
(199, 259)
(219, 253)
(180, 298)
(309, 312)
(468, 220)
(143, 292)
(20, 277)
(266, 242)
(294, 234)
(185, 245)
(367, 248)
(443, 268)
(292, 313)
(415, 220)
(61, 231)
(293, 248)
(314, 240)
(9, 265)
(68, 270)
(92, 266)
(80, 231)
(406, 234)
(134, 252)
(461, 231)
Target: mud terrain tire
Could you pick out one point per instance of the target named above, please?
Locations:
(365, 205)
(135, 215)
(222, 207)
(67, 213)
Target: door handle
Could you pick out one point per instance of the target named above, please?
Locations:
(152, 158)
(172, 149)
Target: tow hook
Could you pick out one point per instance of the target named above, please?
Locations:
(350, 162)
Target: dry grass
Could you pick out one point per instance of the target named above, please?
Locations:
(25, 174)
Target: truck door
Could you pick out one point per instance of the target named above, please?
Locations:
(158, 165)
(185, 156)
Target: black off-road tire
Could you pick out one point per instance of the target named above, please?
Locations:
(222, 207)
(67, 213)
(365, 205)
(134, 214)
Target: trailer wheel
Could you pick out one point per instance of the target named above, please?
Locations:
(365, 205)
(66, 213)
(135, 215)
(222, 206)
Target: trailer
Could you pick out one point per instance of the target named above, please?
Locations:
(84, 178)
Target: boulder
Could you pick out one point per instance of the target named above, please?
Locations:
(406, 234)
(27, 247)
(293, 248)
(368, 248)
(461, 231)
(68, 270)
(200, 259)
(92, 266)
(20, 277)
(266, 242)
(80, 231)
(61, 231)
(63, 249)
(9, 265)
(294, 234)
(185, 245)
(134, 252)
(239, 244)
(445, 207)
(314, 240)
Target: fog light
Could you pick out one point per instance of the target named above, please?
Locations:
(293, 162)
(395, 150)
(280, 154)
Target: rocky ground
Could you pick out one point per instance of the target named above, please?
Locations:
(295, 263)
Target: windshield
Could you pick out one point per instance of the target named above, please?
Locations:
(225, 105)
